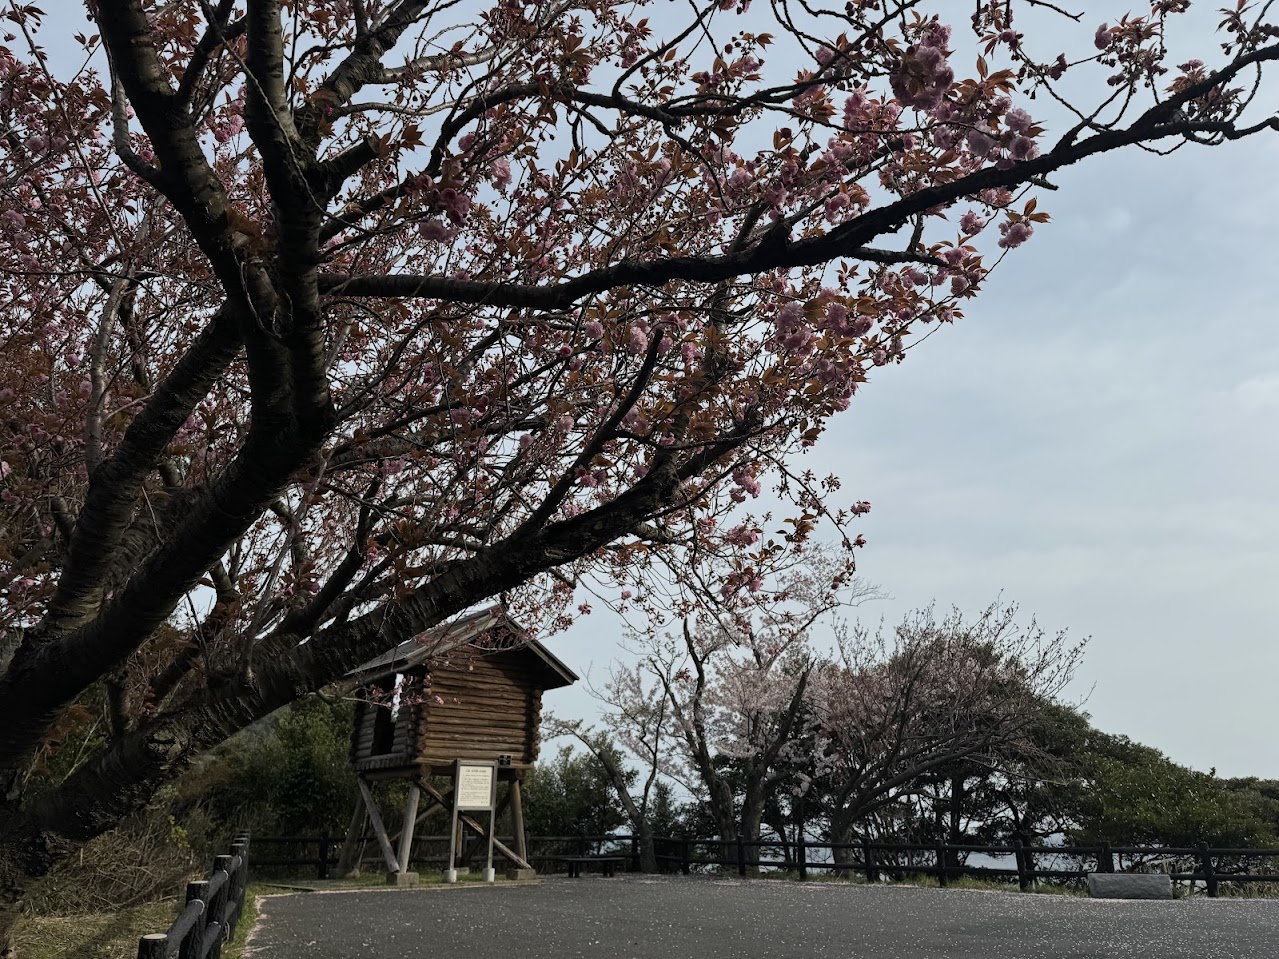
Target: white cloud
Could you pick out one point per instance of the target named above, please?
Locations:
(1258, 394)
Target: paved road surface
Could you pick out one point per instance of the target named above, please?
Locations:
(672, 918)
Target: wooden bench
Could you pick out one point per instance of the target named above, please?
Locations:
(608, 864)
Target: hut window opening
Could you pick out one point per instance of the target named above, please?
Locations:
(384, 720)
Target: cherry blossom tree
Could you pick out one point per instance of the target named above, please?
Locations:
(894, 711)
(734, 680)
(330, 319)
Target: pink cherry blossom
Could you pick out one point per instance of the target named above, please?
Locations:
(970, 223)
(501, 173)
(1015, 234)
(434, 230)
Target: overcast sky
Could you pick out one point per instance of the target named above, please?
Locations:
(1096, 440)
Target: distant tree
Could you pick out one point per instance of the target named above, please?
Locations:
(638, 717)
(570, 794)
(1135, 795)
(735, 679)
(289, 776)
(1261, 794)
(670, 818)
(895, 712)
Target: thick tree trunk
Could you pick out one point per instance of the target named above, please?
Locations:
(954, 831)
(647, 849)
(752, 818)
(778, 826)
(725, 817)
(841, 831)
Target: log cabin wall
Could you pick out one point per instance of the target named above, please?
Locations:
(478, 700)
(489, 707)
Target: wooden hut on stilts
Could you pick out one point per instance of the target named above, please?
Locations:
(469, 690)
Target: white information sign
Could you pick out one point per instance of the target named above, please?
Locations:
(475, 787)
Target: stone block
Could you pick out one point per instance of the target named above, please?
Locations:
(1129, 885)
(404, 879)
(521, 874)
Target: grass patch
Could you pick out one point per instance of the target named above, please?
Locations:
(1243, 890)
(116, 935)
(248, 919)
(93, 935)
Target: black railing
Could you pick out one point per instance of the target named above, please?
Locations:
(213, 907)
(874, 861)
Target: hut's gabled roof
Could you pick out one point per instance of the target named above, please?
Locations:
(488, 629)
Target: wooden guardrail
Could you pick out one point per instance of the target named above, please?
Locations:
(873, 860)
(941, 860)
(213, 907)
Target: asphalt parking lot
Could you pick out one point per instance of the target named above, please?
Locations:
(670, 918)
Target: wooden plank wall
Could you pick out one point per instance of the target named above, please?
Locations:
(490, 709)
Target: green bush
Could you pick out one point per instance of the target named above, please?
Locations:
(288, 776)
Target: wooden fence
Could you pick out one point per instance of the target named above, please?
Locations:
(874, 861)
(212, 909)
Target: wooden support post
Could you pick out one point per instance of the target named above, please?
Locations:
(406, 829)
(1106, 862)
(517, 818)
(941, 862)
(375, 819)
(322, 862)
(474, 825)
(352, 845)
(741, 855)
(1209, 873)
(801, 856)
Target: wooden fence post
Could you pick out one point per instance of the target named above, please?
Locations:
(1023, 877)
(741, 855)
(635, 857)
(190, 946)
(686, 854)
(868, 859)
(324, 854)
(1106, 860)
(240, 847)
(801, 856)
(209, 917)
(216, 910)
(1210, 874)
(941, 862)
